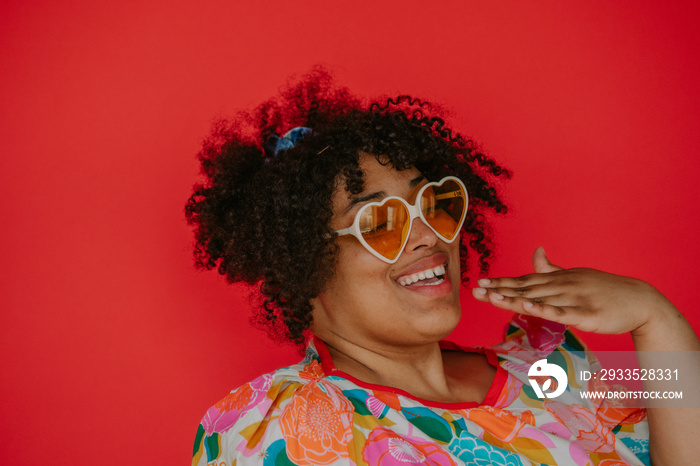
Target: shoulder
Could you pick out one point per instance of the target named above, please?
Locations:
(536, 350)
(267, 417)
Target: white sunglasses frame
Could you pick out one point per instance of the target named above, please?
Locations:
(414, 211)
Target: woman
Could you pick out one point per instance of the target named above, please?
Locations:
(358, 225)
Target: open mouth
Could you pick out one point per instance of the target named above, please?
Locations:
(428, 277)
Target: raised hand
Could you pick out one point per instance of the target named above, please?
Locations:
(596, 301)
(587, 299)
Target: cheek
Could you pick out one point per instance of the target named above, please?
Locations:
(359, 273)
(355, 294)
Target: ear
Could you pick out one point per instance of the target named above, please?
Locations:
(540, 262)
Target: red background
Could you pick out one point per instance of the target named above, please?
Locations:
(113, 345)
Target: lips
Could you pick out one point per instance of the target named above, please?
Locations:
(424, 272)
(433, 276)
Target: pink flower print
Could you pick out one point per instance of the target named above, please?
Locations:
(224, 414)
(589, 431)
(510, 392)
(543, 335)
(515, 349)
(387, 448)
(376, 407)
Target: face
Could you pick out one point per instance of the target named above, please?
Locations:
(366, 302)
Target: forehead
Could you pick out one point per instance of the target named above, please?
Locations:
(379, 175)
(379, 178)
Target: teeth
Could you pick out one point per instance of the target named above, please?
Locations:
(424, 274)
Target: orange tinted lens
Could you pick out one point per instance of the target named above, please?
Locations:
(443, 207)
(385, 227)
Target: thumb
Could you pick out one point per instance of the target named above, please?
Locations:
(540, 262)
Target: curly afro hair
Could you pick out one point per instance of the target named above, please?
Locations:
(265, 220)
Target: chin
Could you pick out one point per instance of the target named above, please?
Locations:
(440, 326)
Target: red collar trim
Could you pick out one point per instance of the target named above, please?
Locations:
(499, 381)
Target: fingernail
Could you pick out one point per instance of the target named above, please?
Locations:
(480, 290)
(528, 305)
(484, 282)
(497, 296)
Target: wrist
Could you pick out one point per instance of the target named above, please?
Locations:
(665, 328)
(656, 309)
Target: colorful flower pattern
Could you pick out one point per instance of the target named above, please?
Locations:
(384, 447)
(473, 451)
(301, 415)
(224, 414)
(317, 425)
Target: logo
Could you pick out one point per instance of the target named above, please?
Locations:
(543, 369)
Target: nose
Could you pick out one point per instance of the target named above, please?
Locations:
(421, 235)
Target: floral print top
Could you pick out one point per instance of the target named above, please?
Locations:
(314, 414)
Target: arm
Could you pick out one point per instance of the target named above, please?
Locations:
(595, 301)
(667, 330)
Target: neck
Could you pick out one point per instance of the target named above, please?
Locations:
(416, 369)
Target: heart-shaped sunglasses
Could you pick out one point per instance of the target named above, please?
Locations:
(383, 227)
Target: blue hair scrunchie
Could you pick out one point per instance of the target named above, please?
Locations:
(291, 138)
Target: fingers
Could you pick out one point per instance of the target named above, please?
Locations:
(524, 281)
(543, 293)
(525, 298)
(526, 291)
(546, 307)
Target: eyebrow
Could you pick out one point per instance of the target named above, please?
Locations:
(354, 200)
